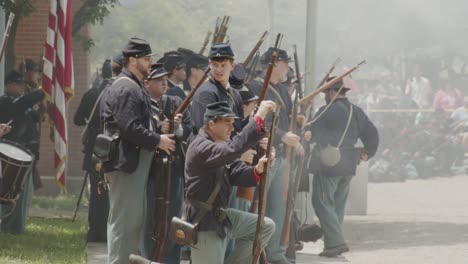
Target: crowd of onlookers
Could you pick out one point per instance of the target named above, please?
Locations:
(423, 126)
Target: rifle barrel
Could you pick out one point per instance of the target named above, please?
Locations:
(274, 56)
(329, 84)
(187, 100)
(255, 49)
(6, 36)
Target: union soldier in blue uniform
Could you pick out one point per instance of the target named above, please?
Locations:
(195, 69)
(338, 126)
(161, 104)
(31, 73)
(88, 115)
(217, 88)
(17, 107)
(125, 110)
(213, 164)
(277, 92)
(174, 63)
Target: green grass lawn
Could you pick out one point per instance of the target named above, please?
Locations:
(47, 240)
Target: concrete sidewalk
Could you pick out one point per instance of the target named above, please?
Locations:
(412, 222)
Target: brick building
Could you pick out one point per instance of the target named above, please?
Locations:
(30, 38)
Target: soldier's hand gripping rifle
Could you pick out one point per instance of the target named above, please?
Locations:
(262, 190)
(162, 192)
(6, 35)
(327, 85)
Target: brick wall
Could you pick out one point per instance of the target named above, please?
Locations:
(30, 40)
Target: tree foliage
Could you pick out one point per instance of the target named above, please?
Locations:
(90, 12)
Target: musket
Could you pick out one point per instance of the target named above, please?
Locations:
(223, 29)
(220, 30)
(205, 43)
(255, 49)
(291, 201)
(187, 100)
(329, 84)
(325, 78)
(215, 32)
(330, 71)
(274, 57)
(161, 210)
(288, 171)
(298, 73)
(262, 191)
(6, 35)
(253, 67)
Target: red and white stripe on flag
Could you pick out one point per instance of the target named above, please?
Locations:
(57, 79)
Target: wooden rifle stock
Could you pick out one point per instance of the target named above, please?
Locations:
(255, 49)
(329, 84)
(6, 35)
(187, 100)
(205, 43)
(274, 56)
(288, 171)
(262, 191)
(161, 213)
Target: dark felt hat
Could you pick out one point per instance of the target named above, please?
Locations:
(137, 48)
(247, 95)
(218, 110)
(237, 77)
(172, 60)
(186, 52)
(221, 50)
(14, 77)
(197, 61)
(28, 65)
(337, 85)
(157, 70)
(106, 69)
(117, 59)
(282, 56)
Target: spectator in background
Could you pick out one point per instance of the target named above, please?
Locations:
(460, 114)
(419, 89)
(447, 97)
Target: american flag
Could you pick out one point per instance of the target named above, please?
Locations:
(57, 79)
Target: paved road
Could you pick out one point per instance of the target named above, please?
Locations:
(417, 221)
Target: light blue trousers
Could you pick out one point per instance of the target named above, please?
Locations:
(329, 200)
(15, 222)
(211, 248)
(127, 197)
(275, 209)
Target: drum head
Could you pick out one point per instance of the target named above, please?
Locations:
(12, 150)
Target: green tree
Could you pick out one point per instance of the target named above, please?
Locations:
(90, 12)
